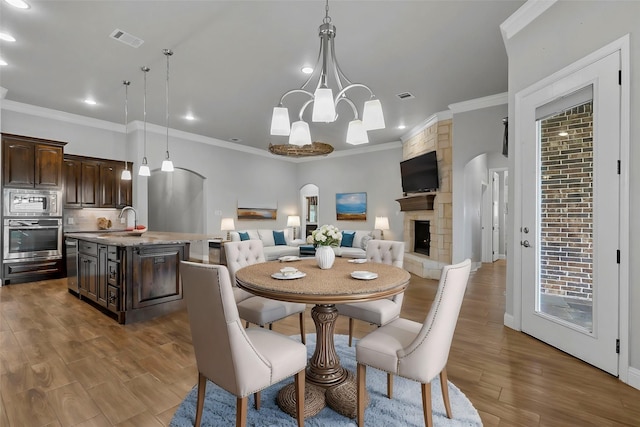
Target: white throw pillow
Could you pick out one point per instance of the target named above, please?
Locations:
(267, 237)
(365, 241)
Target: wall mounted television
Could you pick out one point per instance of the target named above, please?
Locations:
(420, 174)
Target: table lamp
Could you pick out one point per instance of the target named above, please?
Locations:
(226, 225)
(293, 221)
(382, 223)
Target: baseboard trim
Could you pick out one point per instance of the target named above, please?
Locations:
(634, 378)
(509, 322)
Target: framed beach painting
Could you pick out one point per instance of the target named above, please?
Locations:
(256, 213)
(351, 206)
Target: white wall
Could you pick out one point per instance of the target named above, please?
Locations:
(475, 132)
(475, 183)
(538, 51)
(377, 173)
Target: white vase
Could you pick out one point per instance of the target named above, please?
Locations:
(325, 257)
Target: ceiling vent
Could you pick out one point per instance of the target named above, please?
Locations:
(126, 38)
(405, 95)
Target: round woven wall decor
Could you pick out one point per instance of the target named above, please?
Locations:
(290, 150)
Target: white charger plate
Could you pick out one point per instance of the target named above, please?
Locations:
(358, 260)
(296, 275)
(288, 258)
(364, 275)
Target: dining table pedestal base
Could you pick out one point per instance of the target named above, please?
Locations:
(324, 367)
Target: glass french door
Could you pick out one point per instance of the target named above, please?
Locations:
(570, 214)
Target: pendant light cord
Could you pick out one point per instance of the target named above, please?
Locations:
(126, 84)
(144, 114)
(168, 53)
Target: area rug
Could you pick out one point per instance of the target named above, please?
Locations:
(405, 409)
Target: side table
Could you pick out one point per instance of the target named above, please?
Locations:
(216, 252)
(307, 250)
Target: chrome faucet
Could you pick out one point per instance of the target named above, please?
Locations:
(135, 215)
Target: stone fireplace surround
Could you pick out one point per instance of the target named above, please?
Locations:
(433, 207)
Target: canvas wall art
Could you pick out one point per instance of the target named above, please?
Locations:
(351, 206)
(256, 213)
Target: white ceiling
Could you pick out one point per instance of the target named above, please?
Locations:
(234, 59)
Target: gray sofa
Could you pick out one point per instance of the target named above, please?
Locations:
(272, 251)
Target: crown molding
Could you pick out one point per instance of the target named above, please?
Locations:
(161, 130)
(429, 121)
(523, 17)
(62, 116)
(478, 103)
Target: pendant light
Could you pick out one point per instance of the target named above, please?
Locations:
(167, 164)
(126, 173)
(144, 167)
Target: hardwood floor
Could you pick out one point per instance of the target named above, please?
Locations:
(62, 363)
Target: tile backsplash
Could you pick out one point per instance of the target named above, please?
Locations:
(79, 220)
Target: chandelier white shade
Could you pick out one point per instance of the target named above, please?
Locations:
(300, 134)
(324, 100)
(356, 134)
(372, 117)
(280, 122)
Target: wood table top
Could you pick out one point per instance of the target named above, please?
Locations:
(332, 286)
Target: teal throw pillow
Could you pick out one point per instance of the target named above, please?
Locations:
(244, 235)
(347, 239)
(278, 238)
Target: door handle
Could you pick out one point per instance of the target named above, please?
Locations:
(525, 243)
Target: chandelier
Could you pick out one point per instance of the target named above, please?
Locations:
(323, 101)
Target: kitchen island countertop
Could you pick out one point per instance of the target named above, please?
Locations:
(124, 238)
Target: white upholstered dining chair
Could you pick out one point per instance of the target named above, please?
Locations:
(378, 312)
(241, 361)
(254, 309)
(417, 351)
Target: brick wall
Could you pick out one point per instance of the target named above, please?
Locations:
(566, 229)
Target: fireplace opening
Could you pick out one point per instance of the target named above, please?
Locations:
(421, 237)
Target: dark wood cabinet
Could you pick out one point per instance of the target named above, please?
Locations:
(99, 274)
(72, 175)
(90, 181)
(31, 162)
(108, 185)
(88, 276)
(101, 295)
(95, 183)
(131, 283)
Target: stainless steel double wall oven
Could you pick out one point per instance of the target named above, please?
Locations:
(32, 230)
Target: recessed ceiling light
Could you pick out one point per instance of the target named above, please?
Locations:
(90, 101)
(306, 69)
(189, 117)
(7, 37)
(402, 127)
(563, 134)
(3, 62)
(20, 4)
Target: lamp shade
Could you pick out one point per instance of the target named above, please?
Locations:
(372, 117)
(324, 109)
(300, 134)
(356, 134)
(144, 170)
(125, 175)
(167, 166)
(293, 221)
(382, 223)
(280, 124)
(227, 224)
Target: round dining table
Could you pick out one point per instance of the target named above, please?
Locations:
(346, 281)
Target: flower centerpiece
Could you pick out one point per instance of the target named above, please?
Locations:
(323, 238)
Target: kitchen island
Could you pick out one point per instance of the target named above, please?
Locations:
(133, 278)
